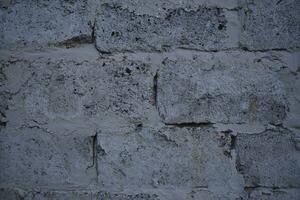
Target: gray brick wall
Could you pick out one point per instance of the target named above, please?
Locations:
(150, 100)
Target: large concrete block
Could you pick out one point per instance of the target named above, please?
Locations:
(119, 29)
(200, 93)
(32, 157)
(269, 24)
(39, 23)
(171, 158)
(268, 159)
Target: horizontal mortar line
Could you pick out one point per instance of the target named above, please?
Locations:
(190, 124)
(237, 8)
(45, 189)
(242, 49)
(203, 6)
(270, 187)
(93, 190)
(154, 190)
(200, 187)
(141, 51)
(120, 52)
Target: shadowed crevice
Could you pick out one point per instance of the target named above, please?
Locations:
(78, 40)
(94, 156)
(155, 89)
(190, 124)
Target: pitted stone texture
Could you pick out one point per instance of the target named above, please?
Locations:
(39, 23)
(118, 29)
(172, 158)
(274, 194)
(269, 24)
(124, 88)
(32, 157)
(268, 159)
(200, 93)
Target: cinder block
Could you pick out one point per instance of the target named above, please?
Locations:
(269, 24)
(219, 93)
(171, 158)
(119, 29)
(37, 24)
(55, 88)
(268, 159)
(31, 157)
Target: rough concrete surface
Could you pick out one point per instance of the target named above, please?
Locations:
(270, 24)
(149, 100)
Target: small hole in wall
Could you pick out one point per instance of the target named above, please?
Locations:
(139, 127)
(115, 33)
(221, 27)
(128, 71)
